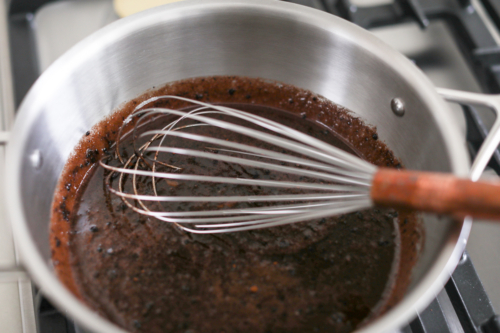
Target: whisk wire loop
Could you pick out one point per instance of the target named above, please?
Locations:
(324, 181)
(302, 143)
(258, 152)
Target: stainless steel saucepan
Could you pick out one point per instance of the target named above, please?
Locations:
(258, 38)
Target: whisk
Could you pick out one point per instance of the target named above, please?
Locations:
(301, 177)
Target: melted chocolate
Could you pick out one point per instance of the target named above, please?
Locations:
(147, 276)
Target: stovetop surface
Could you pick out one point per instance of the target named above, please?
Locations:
(54, 28)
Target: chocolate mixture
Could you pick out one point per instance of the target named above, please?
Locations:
(147, 276)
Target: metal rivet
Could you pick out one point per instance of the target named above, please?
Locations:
(36, 159)
(398, 107)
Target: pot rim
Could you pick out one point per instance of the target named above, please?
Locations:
(50, 285)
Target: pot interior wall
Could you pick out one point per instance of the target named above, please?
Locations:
(312, 50)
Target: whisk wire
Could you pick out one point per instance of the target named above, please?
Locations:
(279, 221)
(302, 144)
(259, 152)
(343, 180)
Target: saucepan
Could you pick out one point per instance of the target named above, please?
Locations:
(257, 38)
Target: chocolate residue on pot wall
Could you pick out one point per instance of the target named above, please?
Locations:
(147, 276)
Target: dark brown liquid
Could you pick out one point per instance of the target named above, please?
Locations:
(146, 275)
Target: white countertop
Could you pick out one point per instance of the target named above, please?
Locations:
(16, 301)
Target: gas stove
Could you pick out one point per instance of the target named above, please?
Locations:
(455, 42)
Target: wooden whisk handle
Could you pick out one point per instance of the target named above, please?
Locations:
(436, 192)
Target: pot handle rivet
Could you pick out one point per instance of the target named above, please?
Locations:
(36, 159)
(398, 106)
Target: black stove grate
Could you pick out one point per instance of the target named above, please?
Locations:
(469, 299)
(471, 32)
(493, 8)
(463, 306)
